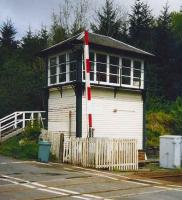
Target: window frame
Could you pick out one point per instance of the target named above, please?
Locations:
(58, 70)
(108, 64)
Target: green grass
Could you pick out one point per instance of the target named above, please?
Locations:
(14, 148)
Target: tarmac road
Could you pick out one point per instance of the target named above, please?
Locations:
(30, 180)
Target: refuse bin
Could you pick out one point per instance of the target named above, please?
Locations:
(44, 151)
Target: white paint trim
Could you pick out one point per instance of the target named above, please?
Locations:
(64, 190)
(79, 197)
(51, 191)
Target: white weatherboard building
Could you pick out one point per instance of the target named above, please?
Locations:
(117, 85)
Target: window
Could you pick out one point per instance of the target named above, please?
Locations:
(126, 71)
(62, 68)
(91, 66)
(113, 69)
(101, 67)
(72, 63)
(53, 70)
(104, 69)
(137, 73)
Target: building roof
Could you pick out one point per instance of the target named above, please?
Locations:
(101, 40)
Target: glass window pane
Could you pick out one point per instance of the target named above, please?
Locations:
(53, 61)
(114, 60)
(126, 67)
(137, 69)
(53, 70)
(62, 68)
(91, 56)
(62, 59)
(72, 71)
(114, 79)
(114, 69)
(72, 56)
(53, 79)
(101, 58)
(126, 62)
(137, 73)
(92, 76)
(126, 80)
(101, 67)
(126, 71)
(62, 77)
(72, 60)
(136, 82)
(137, 64)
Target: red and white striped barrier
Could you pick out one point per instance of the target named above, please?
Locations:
(87, 83)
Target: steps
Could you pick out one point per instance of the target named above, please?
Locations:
(15, 123)
(11, 134)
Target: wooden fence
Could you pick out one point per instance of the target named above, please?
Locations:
(56, 139)
(120, 154)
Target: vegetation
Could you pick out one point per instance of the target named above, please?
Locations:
(23, 146)
(22, 73)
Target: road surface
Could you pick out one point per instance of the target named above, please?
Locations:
(30, 180)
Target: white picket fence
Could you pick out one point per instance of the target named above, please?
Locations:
(120, 154)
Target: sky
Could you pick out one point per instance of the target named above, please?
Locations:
(34, 13)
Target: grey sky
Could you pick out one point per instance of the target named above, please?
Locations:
(37, 12)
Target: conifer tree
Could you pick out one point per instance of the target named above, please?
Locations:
(141, 25)
(7, 35)
(108, 21)
(163, 51)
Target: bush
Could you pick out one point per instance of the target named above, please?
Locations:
(32, 131)
(163, 118)
(176, 112)
(15, 149)
(25, 145)
(158, 123)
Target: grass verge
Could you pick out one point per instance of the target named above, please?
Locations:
(14, 147)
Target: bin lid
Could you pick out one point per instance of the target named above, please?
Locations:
(44, 143)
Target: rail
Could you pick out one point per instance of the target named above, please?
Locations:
(19, 120)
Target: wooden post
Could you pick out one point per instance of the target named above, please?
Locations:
(70, 123)
(0, 132)
(61, 148)
(79, 96)
(15, 124)
(23, 120)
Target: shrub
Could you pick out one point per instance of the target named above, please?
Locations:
(176, 112)
(32, 131)
(13, 148)
(158, 123)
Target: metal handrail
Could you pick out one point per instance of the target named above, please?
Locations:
(19, 117)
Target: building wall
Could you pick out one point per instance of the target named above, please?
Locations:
(116, 117)
(58, 111)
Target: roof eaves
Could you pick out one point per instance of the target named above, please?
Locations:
(60, 43)
(132, 47)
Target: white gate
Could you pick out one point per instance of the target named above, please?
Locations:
(120, 154)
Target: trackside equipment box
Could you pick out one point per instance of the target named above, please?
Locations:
(170, 151)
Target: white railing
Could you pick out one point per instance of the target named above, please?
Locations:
(120, 154)
(19, 120)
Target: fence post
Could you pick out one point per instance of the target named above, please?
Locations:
(15, 124)
(0, 132)
(96, 152)
(32, 118)
(23, 116)
(61, 148)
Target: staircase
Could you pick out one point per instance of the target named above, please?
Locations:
(15, 123)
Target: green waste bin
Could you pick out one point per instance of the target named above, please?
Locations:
(44, 151)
